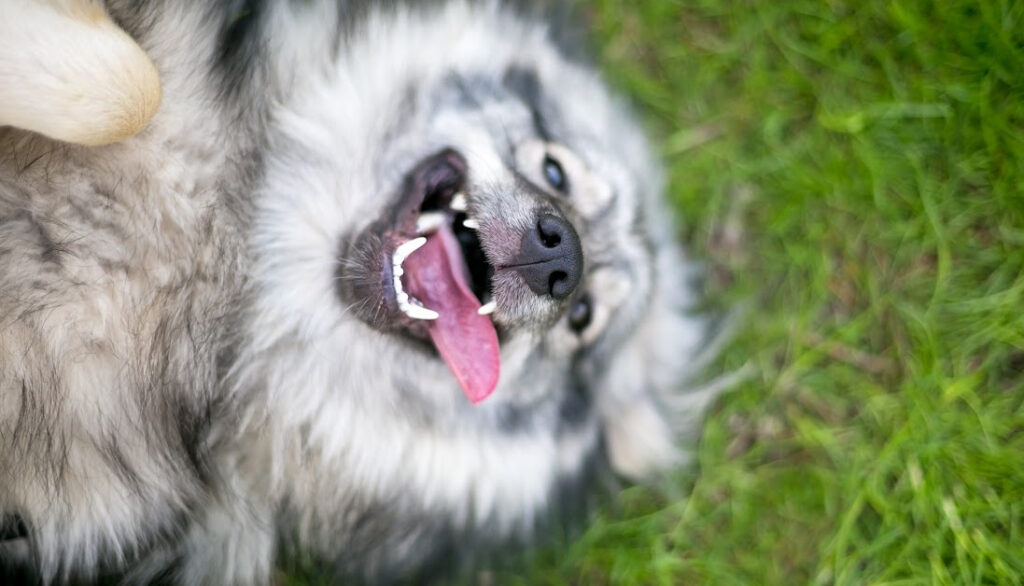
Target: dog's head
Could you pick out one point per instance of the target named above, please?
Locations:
(460, 214)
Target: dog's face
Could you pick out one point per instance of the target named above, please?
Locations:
(468, 204)
(529, 221)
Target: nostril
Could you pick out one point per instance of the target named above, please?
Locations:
(556, 283)
(550, 230)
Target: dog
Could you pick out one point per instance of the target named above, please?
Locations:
(377, 283)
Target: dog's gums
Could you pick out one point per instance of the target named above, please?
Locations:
(410, 306)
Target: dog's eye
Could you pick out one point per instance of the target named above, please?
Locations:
(579, 314)
(555, 175)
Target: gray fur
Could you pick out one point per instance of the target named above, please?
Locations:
(187, 389)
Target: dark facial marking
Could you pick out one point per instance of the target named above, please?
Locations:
(526, 86)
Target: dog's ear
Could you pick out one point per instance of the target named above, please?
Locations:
(643, 389)
(69, 72)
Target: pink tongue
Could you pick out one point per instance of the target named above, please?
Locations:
(436, 275)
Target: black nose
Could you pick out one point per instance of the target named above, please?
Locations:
(550, 257)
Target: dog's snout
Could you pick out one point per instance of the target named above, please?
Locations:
(550, 257)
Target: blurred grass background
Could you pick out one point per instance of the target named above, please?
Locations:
(853, 172)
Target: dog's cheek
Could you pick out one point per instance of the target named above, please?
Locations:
(640, 441)
(642, 393)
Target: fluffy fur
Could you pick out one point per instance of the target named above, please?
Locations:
(193, 378)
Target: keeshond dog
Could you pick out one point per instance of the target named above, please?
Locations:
(380, 283)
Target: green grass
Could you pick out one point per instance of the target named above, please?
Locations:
(852, 172)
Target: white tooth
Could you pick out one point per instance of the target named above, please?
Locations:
(471, 224)
(417, 312)
(429, 222)
(487, 308)
(458, 202)
(409, 305)
(405, 249)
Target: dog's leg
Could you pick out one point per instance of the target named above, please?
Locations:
(69, 72)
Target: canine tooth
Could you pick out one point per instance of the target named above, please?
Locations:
(429, 222)
(471, 224)
(418, 312)
(458, 202)
(487, 308)
(405, 249)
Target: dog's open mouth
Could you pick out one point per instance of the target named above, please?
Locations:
(441, 275)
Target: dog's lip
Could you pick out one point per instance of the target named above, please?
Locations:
(444, 174)
(428, 187)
